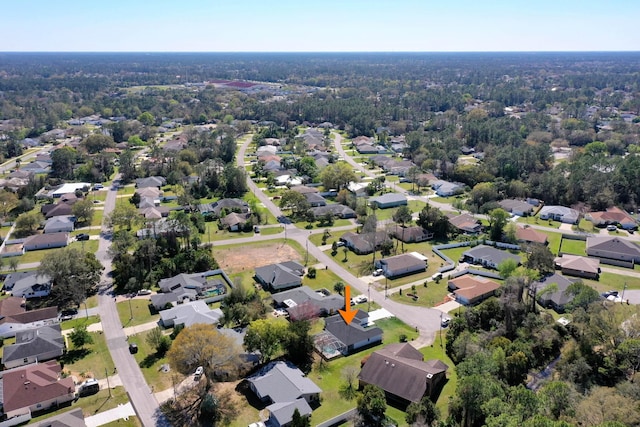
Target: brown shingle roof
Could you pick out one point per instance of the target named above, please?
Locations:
(579, 263)
(33, 384)
(472, 287)
(31, 316)
(530, 235)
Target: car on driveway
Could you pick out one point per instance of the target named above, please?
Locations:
(82, 236)
(445, 322)
(611, 227)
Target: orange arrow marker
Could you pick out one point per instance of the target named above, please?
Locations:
(347, 314)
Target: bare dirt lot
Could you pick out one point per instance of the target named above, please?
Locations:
(237, 259)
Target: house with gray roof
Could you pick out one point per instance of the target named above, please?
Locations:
(335, 209)
(401, 265)
(581, 266)
(446, 188)
(280, 276)
(59, 224)
(190, 313)
(73, 418)
(559, 213)
(186, 287)
(413, 234)
(281, 382)
(516, 207)
(315, 200)
(364, 243)
(389, 200)
(28, 284)
(400, 370)
(235, 221)
(613, 248)
(551, 292)
(45, 241)
(325, 304)
(488, 256)
(14, 321)
(349, 338)
(151, 181)
(34, 346)
(224, 206)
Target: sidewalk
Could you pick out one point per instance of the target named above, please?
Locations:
(106, 417)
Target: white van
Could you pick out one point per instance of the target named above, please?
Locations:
(437, 276)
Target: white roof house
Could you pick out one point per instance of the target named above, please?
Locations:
(69, 187)
(190, 313)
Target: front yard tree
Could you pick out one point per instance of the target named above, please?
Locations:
(540, 258)
(28, 222)
(402, 216)
(160, 342)
(266, 336)
(294, 201)
(80, 336)
(63, 161)
(74, 273)
(8, 201)
(202, 345)
(124, 215)
(337, 175)
(339, 287)
(299, 344)
(497, 221)
(372, 406)
(127, 166)
(83, 211)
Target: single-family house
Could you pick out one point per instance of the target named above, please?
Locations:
(36, 167)
(400, 370)
(367, 149)
(559, 213)
(358, 189)
(73, 418)
(364, 243)
(580, 266)
(286, 388)
(59, 209)
(389, 200)
(35, 388)
(613, 248)
(346, 338)
(280, 276)
(34, 346)
(151, 181)
(68, 188)
(222, 207)
(414, 234)
(186, 287)
(14, 318)
(401, 265)
(326, 304)
(149, 192)
(315, 200)
(551, 292)
(336, 210)
(470, 290)
(59, 224)
(612, 216)
(446, 188)
(235, 221)
(28, 284)
(488, 256)
(303, 189)
(190, 313)
(466, 223)
(530, 235)
(162, 227)
(45, 241)
(516, 207)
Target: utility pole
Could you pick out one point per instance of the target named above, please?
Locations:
(106, 374)
(130, 309)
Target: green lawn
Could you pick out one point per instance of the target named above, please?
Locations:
(270, 231)
(150, 365)
(414, 206)
(614, 281)
(36, 256)
(553, 241)
(141, 310)
(575, 247)
(455, 253)
(93, 404)
(90, 361)
(80, 319)
(324, 279)
(316, 239)
(433, 294)
(315, 224)
(449, 200)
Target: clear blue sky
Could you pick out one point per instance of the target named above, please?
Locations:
(327, 25)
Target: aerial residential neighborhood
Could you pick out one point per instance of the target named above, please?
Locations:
(210, 257)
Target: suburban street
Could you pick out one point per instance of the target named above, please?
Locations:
(142, 398)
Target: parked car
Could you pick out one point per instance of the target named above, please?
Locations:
(611, 227)
(378, 272)
(133, 348)
(198, 373)
(144, 292)
(445, 322)
(90, 386)
(82, 236)
(256, 229)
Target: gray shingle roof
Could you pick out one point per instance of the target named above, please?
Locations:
(282, 382)
(303, 294)
(353, 332)
(33, 342)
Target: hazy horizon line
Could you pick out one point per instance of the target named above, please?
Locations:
(320, 51)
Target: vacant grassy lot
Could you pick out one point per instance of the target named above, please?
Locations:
(139, 308)
(575, 247)
(614, 281)
(90, 361)
(429, 296)
(414, 206)
(150, 363)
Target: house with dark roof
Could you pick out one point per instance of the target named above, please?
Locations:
(613, 248)
(350, 337)
(303, 189)
(364, 243)
(400, 370)
(559, 213)
(286, 388)
(35, 388)
(413, 234)
(322, 303)
(516, 207)
(551, 292)
(28, 284)
(162, 227)
(235, 221)
(488, 256)
(465, 223)
(14, 321)
(186, 287)
(401, 265)
(58, 209)
(580, 266)
(224, 206)
(280, 276)
(389, 200)
(45, 241)
(315, 200)
(612, 216)
(73, 418)
(470, 290)
(337, 210)
(34, 346)
(151, 181)
(530, 235)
